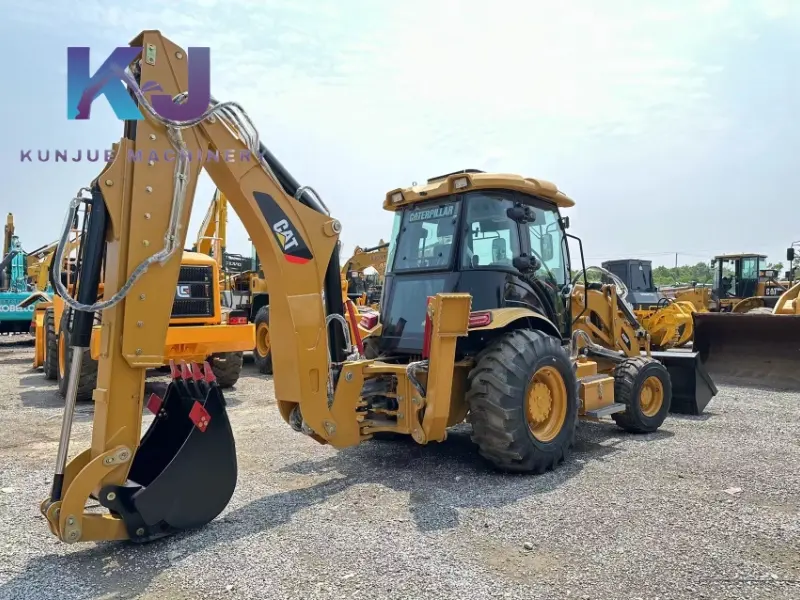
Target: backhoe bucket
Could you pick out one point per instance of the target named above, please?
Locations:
(692, 386)
(750, 349)
(184, 472)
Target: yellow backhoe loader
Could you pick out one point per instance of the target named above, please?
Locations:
(757, 342)
(476, 322)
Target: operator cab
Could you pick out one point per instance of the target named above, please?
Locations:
(736, 275)
(637, 275)
(493, 238)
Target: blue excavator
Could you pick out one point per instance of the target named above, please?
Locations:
(14, 286)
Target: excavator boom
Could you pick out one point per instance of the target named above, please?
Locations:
(183, 472)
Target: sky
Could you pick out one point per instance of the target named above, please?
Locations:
(672, 125)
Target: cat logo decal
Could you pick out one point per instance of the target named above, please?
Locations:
(294, 248)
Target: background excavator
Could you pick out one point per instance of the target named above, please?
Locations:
(756, 341)
(14, 286)
(454, 340)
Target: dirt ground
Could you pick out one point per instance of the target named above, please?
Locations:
(707, 507)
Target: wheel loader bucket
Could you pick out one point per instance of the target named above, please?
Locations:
(692, 386)
(184, 472)
(747, 349)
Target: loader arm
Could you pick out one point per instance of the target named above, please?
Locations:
(137, 203)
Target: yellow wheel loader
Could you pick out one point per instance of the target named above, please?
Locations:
(668, 321)
(476, 324)
(757, 342)
(743, 277)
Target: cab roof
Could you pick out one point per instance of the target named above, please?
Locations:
(473, 179)
(735, 256)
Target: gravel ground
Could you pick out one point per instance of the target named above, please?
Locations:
(706, 508)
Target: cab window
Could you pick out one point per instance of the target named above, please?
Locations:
(426, 237)
(549, 246)
(749, 268)
(491, 238)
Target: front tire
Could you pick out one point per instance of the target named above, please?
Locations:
(523, 402)
(643, 385)
(262, 353)
(227, 367)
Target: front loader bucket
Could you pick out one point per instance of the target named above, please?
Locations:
(750, 349)
(184, 472)
(692, 386)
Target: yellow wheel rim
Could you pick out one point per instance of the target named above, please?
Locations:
(262, 339)
(651, 396)
(546, 404)
(62, 358)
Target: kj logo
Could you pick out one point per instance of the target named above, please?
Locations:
(109, 81)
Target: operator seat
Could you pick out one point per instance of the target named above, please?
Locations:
(500, 252)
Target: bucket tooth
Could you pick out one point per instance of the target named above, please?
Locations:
(197, 374)
(209, 373)
(174, 370)
(184, 471)
(186, 372)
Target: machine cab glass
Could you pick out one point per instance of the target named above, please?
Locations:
(504, 248)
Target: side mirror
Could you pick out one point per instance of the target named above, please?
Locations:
(547, 247)
(565, 223)
(790, 254)
(521, 214)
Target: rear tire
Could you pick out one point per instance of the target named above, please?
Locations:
(643, 385)
(50, 345)
(262, 353)
(87, 379)
(506, 393)
(227, 367)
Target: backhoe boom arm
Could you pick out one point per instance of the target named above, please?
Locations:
(148, 202)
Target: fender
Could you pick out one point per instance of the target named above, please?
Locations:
(503, 317)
